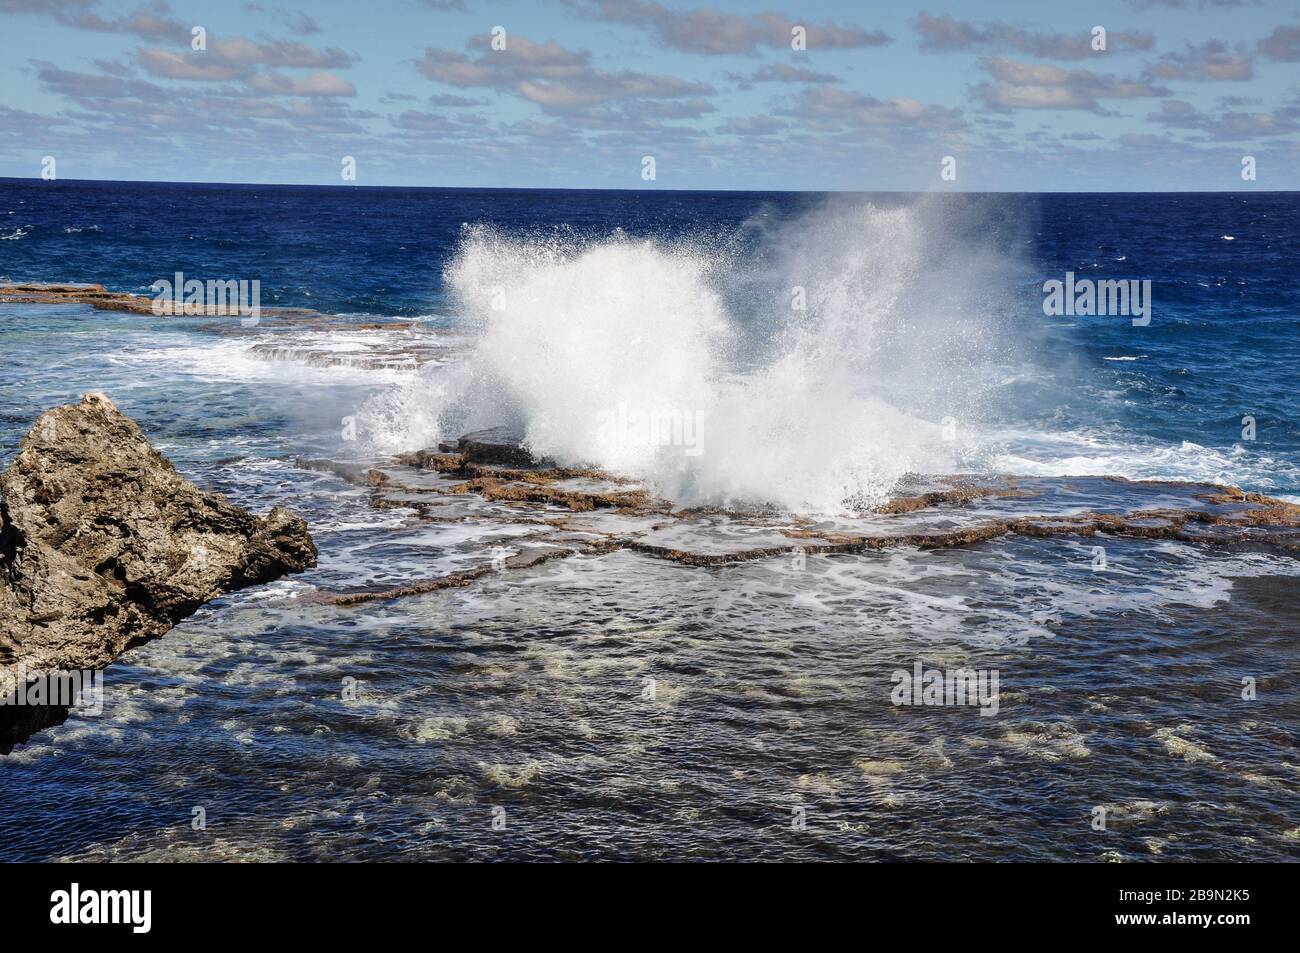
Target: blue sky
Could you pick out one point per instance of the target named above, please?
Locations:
(584, 89)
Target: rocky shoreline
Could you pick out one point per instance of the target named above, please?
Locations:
(104, 546)
(100, 298)
(585, 512)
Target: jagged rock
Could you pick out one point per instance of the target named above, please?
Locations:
(103, 545)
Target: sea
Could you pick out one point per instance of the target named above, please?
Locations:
(731, 673)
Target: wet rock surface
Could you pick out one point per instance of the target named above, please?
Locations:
(584, 512)
(95, 295)
(103, 545)
(100, 298)
(499, 446)
(294, 336)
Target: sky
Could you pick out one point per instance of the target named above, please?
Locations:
(579, 93)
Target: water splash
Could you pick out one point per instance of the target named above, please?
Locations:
(808, 363)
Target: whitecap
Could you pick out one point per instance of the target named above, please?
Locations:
(812, 406)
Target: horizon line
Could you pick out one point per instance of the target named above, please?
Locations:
(535, 188)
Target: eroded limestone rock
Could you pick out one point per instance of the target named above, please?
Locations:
(103, 545)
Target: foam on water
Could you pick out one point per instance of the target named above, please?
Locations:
(811, 372)
(1089, 453)
(807, 362)
(239, 360)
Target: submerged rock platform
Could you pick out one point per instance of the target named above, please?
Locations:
(566, 512)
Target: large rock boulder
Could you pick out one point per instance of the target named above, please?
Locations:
(103, 545)
(496, 446)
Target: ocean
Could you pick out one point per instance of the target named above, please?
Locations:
(716, 676)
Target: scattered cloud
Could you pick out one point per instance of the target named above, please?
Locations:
(1212, 61)
(421, 123)
(278, 53)
(1283, 44)
(168, 64)
(782, 73)
(1018, 85)
(316, 84)
(547, 74)
(1184, 4)
(254, 63)
(828, 108)
(130, 84)
(747, 126)
(717, 32)
(447, 99)
(152, 22)
(945, 34)
(1231, 125)
(299, 23)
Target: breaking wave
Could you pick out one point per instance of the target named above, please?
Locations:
(808, 363)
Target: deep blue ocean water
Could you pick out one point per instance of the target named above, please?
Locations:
(1223, 343)
(526, 692)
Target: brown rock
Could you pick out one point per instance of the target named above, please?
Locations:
(103, 545)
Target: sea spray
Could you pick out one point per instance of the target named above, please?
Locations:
(821, 408)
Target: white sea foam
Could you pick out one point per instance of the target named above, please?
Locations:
(1088, 453)
(239, 360)
(908, 350)
(813, 410)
